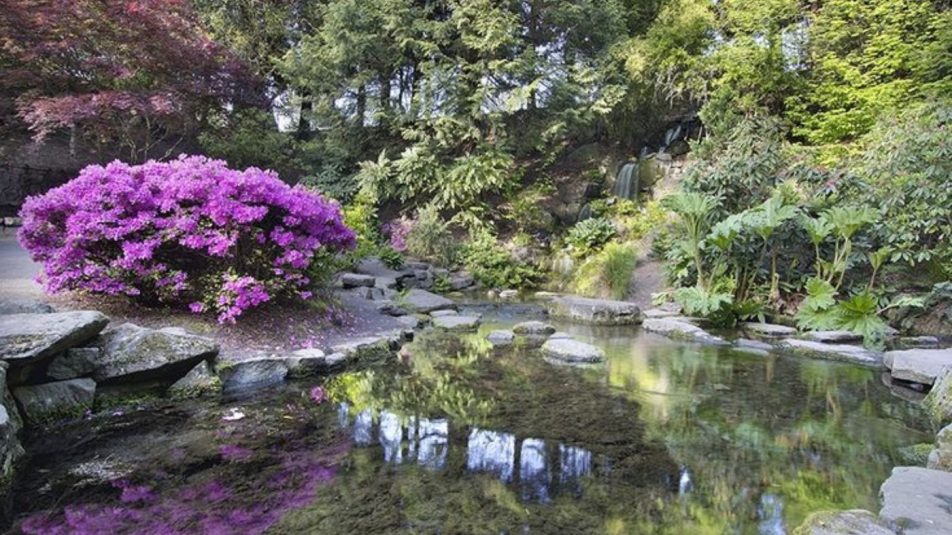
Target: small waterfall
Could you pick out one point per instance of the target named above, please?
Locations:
(626, 183)
(672, 135)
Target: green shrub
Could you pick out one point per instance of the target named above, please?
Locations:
(607, 274)
(430, 238)
(589, 236)
(493, 266)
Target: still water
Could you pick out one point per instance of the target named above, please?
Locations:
(663, 437)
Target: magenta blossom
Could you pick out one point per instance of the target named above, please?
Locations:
(189, 232)
(318, 395)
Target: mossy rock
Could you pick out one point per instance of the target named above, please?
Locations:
(916, 454)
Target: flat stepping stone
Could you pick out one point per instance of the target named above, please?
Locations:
(356, 280)
(595, 311)
(832, 337)
(456, 323)
(441, 313)
(839, 352)
(533, 327)
(768, 330)
(917, 499)
(917, 365)
(501, 338)
(660, 313)
(418, 300)
(26, 338)
(678, 329)
(572, 351)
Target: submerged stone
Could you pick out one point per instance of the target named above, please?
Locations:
(917, 499)
(839, 352)
(26, 338)
(132, 354)
(572, 351)
(917, 365)
(533, 327)
(595, 311)
(52, 401)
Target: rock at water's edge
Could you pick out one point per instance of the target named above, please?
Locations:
(200, 381)
(456, 323)
(134, 354)
(938, 403)
(917, 365)
(852, 522)
(677, 329)
(595, 311)
(533, 327)
(253, 373)
(52, 401)
(26, 338)
(501, 338)
(918, 500)
(838, 352)
(768, 330)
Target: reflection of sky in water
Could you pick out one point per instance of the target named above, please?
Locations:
(534, 471)
(490, 451)
(426, 442)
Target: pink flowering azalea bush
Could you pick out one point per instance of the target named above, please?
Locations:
(190, 232)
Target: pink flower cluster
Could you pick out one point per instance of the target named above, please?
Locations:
(397, 231)
(185, 232)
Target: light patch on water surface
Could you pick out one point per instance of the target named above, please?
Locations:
(491, 451)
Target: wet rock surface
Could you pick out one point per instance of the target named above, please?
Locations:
(839, 352)
(573, 351)
(595, 311)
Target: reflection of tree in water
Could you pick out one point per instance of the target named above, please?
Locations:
(766, 439)
(546, 449)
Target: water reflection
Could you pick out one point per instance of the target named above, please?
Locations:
(492, 452)
(427, 443)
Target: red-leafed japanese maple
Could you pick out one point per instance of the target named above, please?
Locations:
(141, 75)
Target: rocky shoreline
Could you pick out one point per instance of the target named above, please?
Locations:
(58, 365)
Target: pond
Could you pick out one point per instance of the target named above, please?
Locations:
(663, 437)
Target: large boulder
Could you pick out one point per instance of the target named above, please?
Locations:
(678, 329)
(52, 401)
(27, 338)
(938, 403)
(10, 424)
(456, 323)
(595, 311)
(131, 353)
(839, 352)
(573, 351)
(918, 500)
(422, 301)
(917, 365)
(852, 522)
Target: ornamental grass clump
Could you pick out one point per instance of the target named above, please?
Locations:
(188, 233)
